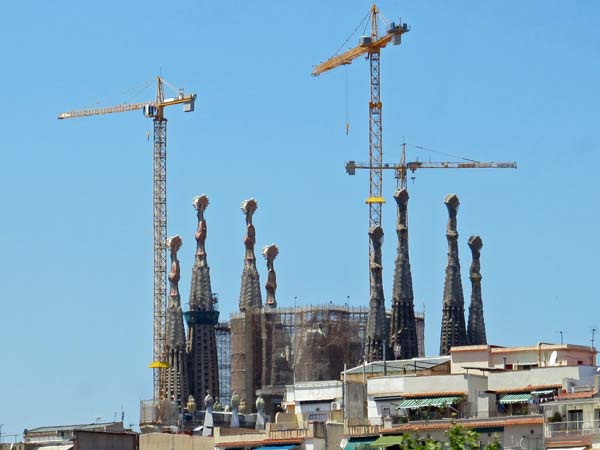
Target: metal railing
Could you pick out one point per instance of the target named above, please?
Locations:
(572, 429)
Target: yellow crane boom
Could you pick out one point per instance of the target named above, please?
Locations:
(155, 110)
(182, 99)
(361, 49)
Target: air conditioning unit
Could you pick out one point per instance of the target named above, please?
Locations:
(336, 406)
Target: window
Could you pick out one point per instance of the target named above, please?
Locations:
(386, 412)
(575, 419)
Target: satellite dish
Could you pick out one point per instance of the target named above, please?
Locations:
(343, 443)
(553, 358)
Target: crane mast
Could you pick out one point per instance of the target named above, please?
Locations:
(371, 47)
(155, 110)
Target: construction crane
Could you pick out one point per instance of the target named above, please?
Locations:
(371, 47)
(154, 110)
(403, 166)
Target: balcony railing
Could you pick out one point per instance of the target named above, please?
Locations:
(572, 429)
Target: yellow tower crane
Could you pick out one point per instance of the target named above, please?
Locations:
(371, 47)
(154, 110)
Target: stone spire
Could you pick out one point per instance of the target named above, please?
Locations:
(375, 339)
(201, 297)
(403, 333)
(270, 252)
(202, 316)
(476, 325)
(176, 382)
(250, 295)
(453, 312)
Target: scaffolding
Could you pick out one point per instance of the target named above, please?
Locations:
(223, 338)
(270, 348)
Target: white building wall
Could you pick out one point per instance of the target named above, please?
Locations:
(315, 444)
(314, 391)
(393, 387)
(383, 386)
(540, 376)
(525, 437)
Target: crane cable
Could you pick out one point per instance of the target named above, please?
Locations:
(442, 153)
(346, 100)
(353, 33)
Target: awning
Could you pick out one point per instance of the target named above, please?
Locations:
(359, 443)
(388, 441)
(515, 398)
(277, 447)
(566, 448)
(55, 447)
(436, 402)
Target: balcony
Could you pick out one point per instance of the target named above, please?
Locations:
(574, 429)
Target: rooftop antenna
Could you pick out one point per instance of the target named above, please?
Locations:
(561, 332)
(593, 337)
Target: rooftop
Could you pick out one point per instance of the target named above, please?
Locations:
(400, 365)
(539, 346)
(86, 426)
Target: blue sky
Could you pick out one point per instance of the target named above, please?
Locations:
(511, 81)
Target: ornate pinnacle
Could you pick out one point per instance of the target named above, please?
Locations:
(174, 244)
(200, 204)
(249, 207)
(250, 293)
(452, 204)
(475, 244)
(270, 252)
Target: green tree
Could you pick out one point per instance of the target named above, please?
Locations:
(494, 443)
(460, 438)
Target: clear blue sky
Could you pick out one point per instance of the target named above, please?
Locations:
(506, 81)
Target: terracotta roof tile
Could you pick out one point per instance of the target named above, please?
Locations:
(444, 425)
(574, 395)
(570, 443)
(433, 394)
(257, 443)
(537, 387)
